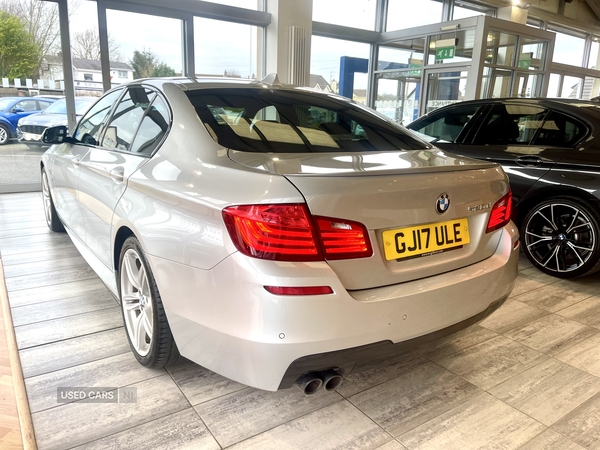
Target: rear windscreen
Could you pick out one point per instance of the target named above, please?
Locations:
(262, 120)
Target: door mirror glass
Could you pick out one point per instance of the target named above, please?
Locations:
(55, 135)
(18, 110)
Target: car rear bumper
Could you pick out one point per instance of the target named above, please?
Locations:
(224, 319)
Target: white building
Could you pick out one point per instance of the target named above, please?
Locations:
(87, 73)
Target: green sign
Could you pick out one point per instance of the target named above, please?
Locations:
(444, 53)
(414, 73)
(524, 63)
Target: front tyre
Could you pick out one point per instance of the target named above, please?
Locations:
(52, 219)
(561, 237)
(145, 320)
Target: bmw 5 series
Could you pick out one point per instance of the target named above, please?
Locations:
(276, 235)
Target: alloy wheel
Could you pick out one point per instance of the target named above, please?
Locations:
(3, 136)
(46, 198)
(560, 237)
(136, 299)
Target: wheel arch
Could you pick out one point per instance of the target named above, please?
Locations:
(120, 237)
(546, 193)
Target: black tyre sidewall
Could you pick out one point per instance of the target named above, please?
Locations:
(591, 265)
(163, 350)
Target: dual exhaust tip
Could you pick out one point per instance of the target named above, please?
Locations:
(311, 382)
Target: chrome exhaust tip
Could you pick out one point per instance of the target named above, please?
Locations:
(331, 380)
(309, 383)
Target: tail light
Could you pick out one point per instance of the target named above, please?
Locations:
(288, 233)
(500, 214)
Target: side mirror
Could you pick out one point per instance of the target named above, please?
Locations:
(55, 135)
(18, 110)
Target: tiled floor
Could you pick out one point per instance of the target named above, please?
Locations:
(528, 377)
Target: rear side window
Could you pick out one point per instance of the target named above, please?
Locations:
(446, 126)
(560, 130)
(511, 125)
(261, 120)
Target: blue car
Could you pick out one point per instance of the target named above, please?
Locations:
(14, 108)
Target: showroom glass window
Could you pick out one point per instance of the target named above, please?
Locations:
(407, 14)
(325, 57)
(226, 48)
(568, 48)
(248, 4)
(349, 13)
(88, 130)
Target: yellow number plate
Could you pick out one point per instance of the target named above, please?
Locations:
(424, 240)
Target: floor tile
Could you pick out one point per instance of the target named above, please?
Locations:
(33, 256)
(44, 279)
(68, 327)
(200, 385)
(530, 281)
(583, 355)
(583, 424)
(551, 334)
(414, 398)
(180, 431)
(336, 427)
(456, 343)
(23, 315)
(481, 423)
(72, 352)
(72, 262)
(512, 315)
(243, 414)
(549, 383)
(157, 397)
(553, 297)
(586, 311)
(55, 292)
(379, 371)
(492, 362)
(114, 371)
(551, 440)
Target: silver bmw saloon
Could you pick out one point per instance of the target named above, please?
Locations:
(276, 235)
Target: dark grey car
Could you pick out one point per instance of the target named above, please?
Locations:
(549, 150)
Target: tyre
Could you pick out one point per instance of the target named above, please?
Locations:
(4, 135)
(561, 237)
(145, 320)
(52, 219)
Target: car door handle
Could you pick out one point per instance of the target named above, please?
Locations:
(117, 174)
(529, 161)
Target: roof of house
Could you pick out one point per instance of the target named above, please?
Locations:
(319, 81)
(360, 92)
(87, 64)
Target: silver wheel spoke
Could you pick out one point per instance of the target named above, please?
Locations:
(579, 226)
(131, 302)
(131, 275)
(572, 222)
(140, 333)
(551, 256)
(572, 247)
(547, 220)
(147, 321)
(538, 241)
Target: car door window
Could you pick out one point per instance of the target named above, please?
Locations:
(88, 131)
(560, 130)
(27, 105)
(126, 119)
(511, 125)
(154, 126)
(43, 104)
(447, 126)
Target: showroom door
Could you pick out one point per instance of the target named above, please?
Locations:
(443, 87)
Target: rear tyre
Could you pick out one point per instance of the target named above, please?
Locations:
(146, 325)
(4, 135)
(52, 219)
(561, 237)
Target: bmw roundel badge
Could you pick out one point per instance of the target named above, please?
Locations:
(442, 204)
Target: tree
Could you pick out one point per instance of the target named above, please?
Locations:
(18, 56)
(163, 70)
(41, 23)
(143, 63)
(86, 45)
(147, 65)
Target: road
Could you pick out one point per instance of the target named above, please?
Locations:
(19, 164)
